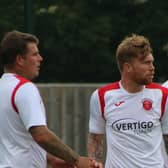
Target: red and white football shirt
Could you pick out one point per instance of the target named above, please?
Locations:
(133, 124)
(21, 107)
(165, 84)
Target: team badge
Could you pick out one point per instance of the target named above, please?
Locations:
(147, 104)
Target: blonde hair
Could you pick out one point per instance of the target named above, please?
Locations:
(131, 47)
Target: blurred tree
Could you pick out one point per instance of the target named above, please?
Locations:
(78, 38)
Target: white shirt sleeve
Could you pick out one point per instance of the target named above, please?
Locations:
(164, 120)
(96, 121)
(30, 105)
(165, 84)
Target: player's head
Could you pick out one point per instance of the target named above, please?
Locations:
(135, 59)
(19, 54)
(131, 47)
(13, 44)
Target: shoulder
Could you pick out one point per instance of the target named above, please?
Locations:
(157, 86)
(25, 86)
(108, 87)
(21, 79)
(99, 92)
(165, 84)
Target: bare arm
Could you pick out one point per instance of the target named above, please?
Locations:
(55, 162)
(52, 144)
(165, 137)
(95, 146)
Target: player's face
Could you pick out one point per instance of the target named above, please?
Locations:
(142, 71)
(31, 62)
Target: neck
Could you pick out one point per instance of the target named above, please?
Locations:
(130, 86)
(12, 70)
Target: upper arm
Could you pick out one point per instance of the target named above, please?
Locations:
(30, 106)
(95, 138)
(165, 138)
(96, 121)
(164, 119)
(95, 146)
(40, 134)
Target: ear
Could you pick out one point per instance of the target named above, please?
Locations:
(127, 67)
(20, 60)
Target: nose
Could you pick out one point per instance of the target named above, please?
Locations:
(40, 58)
(152, 67)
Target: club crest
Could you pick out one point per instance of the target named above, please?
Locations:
(147, 104)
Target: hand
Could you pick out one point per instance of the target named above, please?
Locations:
(95, 164)
(85, 162)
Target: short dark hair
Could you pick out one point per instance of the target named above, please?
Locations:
(14, 43)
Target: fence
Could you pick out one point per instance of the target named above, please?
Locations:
(67, 107)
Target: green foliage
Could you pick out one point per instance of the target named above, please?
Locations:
(78, 38)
